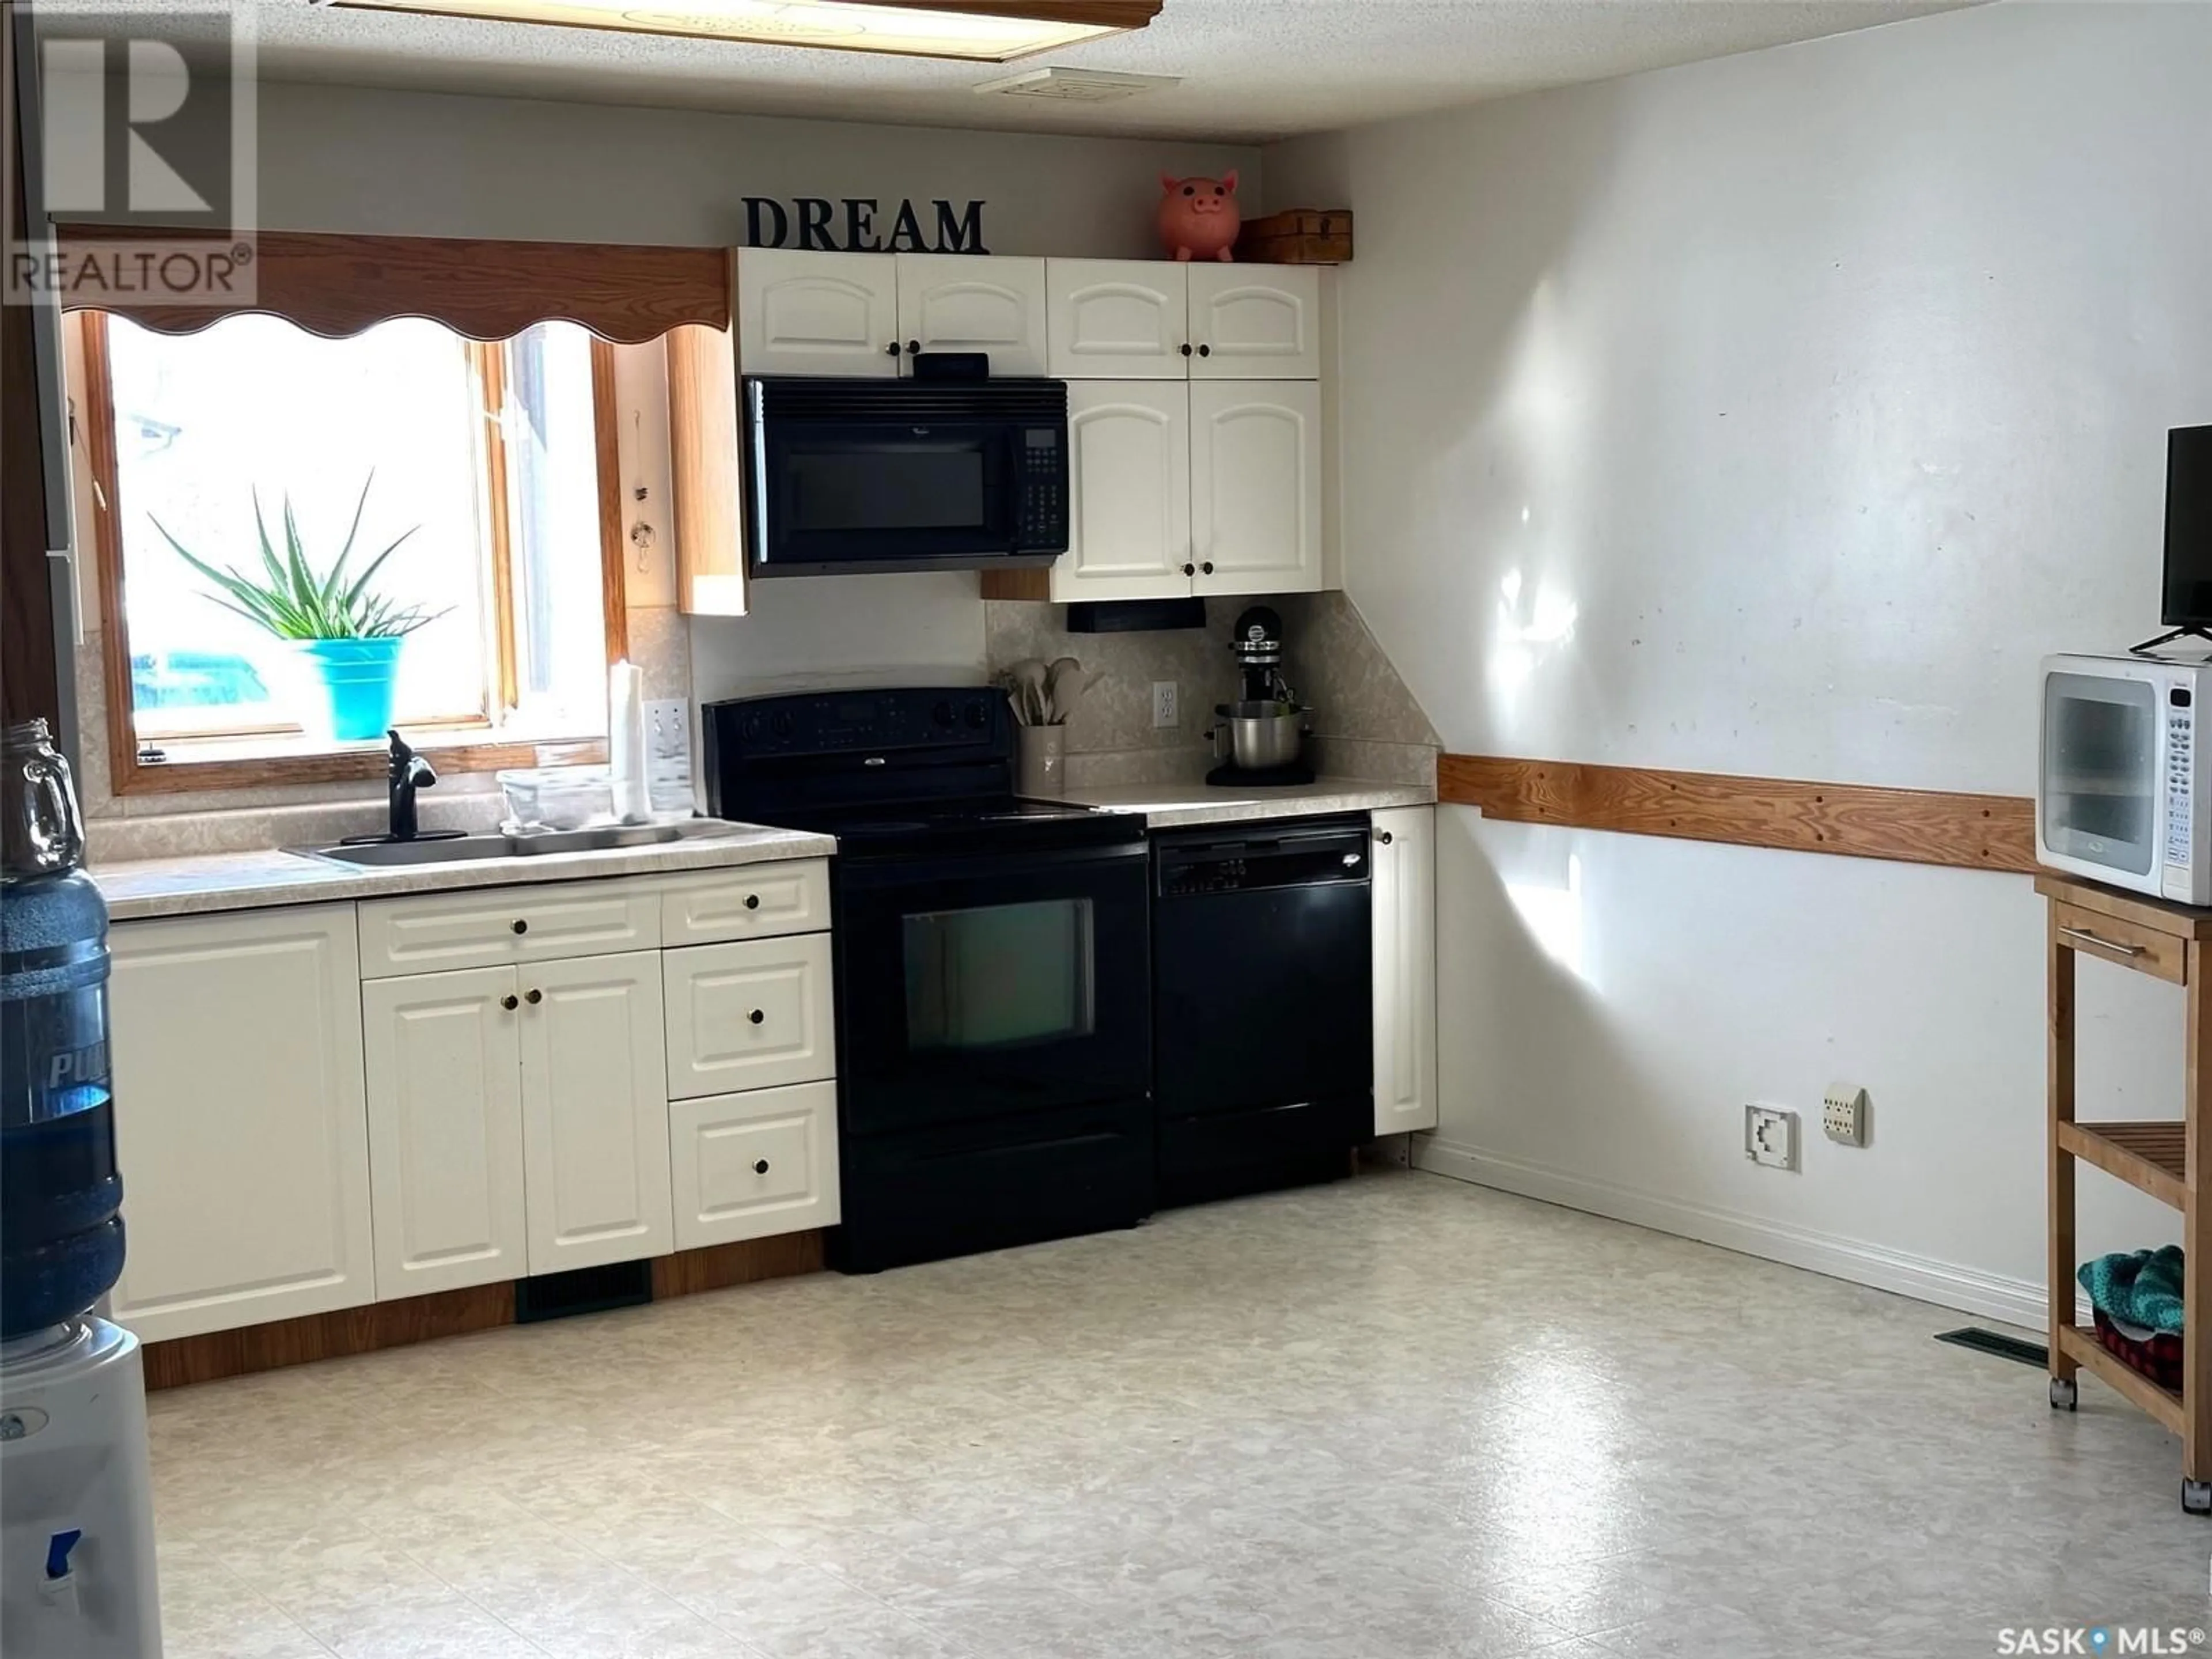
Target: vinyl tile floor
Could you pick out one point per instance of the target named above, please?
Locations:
(1398, 1416)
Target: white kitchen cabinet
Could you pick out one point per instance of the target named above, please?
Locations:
(1405, 908)
(595, 1111)
(487, 927)
(1120, 320)
(803, 313)
(1256, 461)
(958, 302)
(239, 1119)
(748, 1165)
(749, 1015)
(1255, 322)
(1129, 528)
(1210, 487)
(759, 902)
(445, 1129)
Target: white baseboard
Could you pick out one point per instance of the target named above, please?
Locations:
(2016, 1301)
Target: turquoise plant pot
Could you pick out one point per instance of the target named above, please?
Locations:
(357, 679)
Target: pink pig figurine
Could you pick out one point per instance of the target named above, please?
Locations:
(1198, 219)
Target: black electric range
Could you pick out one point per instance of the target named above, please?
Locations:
(993, 969)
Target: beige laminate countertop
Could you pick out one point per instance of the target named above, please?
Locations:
(1175, 805)
(246, 881)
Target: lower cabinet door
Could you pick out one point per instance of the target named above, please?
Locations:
(240, 1123)
(1404, 896)
(445, 1129)
(594, 1111)
(749, 1165)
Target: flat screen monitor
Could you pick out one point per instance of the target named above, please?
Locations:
(2189, 527)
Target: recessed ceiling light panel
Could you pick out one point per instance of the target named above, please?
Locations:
(983, 31)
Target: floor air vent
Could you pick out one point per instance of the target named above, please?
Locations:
(586, 1290)
(2004, 1347)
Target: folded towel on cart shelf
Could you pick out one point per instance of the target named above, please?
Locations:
(2140, 1287)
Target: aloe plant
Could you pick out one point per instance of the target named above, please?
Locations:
(294, 603)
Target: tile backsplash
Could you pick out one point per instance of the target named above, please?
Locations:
(1365, 722)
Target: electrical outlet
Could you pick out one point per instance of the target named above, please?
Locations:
(1844, 1114)
(668, 755)
(1770, 1137)
(1165, 705)
(667, 728)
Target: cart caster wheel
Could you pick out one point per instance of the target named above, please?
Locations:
(2197, 1497)
(2064, 1394)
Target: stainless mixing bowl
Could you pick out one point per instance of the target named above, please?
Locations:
(1263, 735)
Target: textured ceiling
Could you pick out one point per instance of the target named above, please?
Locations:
(1252, 69)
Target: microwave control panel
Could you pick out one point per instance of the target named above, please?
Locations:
(2180, 776)
(1042, 496)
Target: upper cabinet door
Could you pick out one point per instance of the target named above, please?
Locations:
(1255, 322)
(1128, 445)
(240, 1123)
(1119, 319)
(957, 302)
(595, 1111)
(817, 314)
(1255, 486)
(445, 1129)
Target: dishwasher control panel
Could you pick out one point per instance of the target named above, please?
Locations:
(1299, 853)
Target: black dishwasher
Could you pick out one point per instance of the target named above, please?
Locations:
(1262, 1004)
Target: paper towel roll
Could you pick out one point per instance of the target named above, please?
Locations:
(627, 759)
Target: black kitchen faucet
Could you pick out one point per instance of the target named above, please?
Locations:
(407, 773)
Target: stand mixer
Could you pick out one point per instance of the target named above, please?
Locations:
(1264, 730)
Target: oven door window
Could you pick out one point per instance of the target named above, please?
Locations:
(1000, 976)
(970, 988)
(2100, 770)
(860, 493)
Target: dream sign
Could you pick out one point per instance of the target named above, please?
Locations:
(863, 224)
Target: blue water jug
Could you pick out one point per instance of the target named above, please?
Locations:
(61, 1236)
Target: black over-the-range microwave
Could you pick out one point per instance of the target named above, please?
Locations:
(850, 475)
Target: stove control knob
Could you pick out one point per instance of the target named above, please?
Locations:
(783, 723)
(978, 716)
(942, 714)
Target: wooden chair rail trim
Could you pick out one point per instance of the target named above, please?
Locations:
(1911, 826)
(336, 285)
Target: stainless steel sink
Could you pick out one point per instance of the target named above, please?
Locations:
(455, 849)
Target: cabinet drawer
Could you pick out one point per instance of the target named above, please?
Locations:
(750, 1165)
(2123, 942)
(749, 1015)
(486, 927)
(759, 901)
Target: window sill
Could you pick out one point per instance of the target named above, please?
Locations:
(261, 762)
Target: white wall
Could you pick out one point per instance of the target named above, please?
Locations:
(1773, 415)
(334, 158)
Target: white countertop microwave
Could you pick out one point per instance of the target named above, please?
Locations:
(2121, 797)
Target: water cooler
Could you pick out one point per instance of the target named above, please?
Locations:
(76, 1516)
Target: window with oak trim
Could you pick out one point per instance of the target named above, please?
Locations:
(487, 468)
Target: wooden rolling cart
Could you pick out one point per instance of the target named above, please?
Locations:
(2165, 1159)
